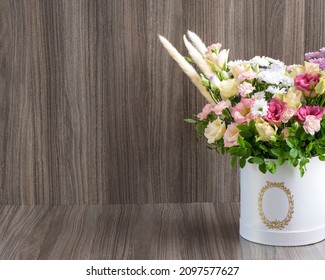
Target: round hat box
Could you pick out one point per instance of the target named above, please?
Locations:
(283, 209)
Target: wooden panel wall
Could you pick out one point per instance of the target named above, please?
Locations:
(91, 106)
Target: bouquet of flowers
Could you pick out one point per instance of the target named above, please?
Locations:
(259, 110)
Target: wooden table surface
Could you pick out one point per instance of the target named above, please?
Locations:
(134, 231)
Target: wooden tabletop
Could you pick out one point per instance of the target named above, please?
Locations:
(134, 231)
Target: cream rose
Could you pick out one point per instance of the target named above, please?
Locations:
(293, 98)
(228, 88)
(215, 130)
(265, 131)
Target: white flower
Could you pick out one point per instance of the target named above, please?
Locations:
(259, 95)
(270, 77)
(287, 81)
(278, 67)
(275, 61)
(259, 108)
(275, 90)
(235, 63)
(215, 82)
(261, 61)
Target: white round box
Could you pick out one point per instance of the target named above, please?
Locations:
(283, 209)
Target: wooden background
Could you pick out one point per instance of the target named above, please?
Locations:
(91, 106)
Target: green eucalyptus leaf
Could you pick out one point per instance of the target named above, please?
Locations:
(190, 120)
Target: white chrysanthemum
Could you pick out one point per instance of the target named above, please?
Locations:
(234, 63)
(261, 61)
(259, 108)
(270, 77)
(287, 81)
(272, 60)
(275, 90)
(259, 95)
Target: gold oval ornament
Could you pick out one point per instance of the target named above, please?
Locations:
(276, 224)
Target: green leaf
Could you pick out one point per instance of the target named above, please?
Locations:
(241, 142)
(293, 153)
(247, 153)
(245, 133)
(271, 166)
(234, 150)
(200, 126)
(248, 145)
(276, 152)
(242, 152)
(252, 126)
(243, 127)
(233, 161)
(190, 121)
(304, 136)
(262, 168)
(256, 160)
(279, 161)
(309, 147)
(290, 143)
(322, 158)
(242, 162)
(188, 59)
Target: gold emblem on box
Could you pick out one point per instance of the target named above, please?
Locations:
(276, 224)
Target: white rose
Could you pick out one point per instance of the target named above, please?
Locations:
(228, 88)
(215, 130)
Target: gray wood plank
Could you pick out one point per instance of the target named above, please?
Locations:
(143, 231)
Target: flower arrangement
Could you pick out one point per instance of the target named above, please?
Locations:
(259, 110)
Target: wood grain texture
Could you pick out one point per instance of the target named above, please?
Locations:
(148, 231)
(91, 106)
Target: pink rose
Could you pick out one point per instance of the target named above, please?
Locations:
(304, 81)
(311, 124)
(220, 106)
(305, 111)
(231, 135)
(245, 88)
(276, 108)
(207, 109)
(242, 111)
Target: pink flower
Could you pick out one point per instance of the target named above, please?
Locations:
(276, 108)
(231, 135)
(288, 114)
(311, 124)
(305, 111)
(248, 75)
(207, 109)
(290, 68)
(304, 81)
(242, 111)
(212, 47)
(220, 106)
(245, 88)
